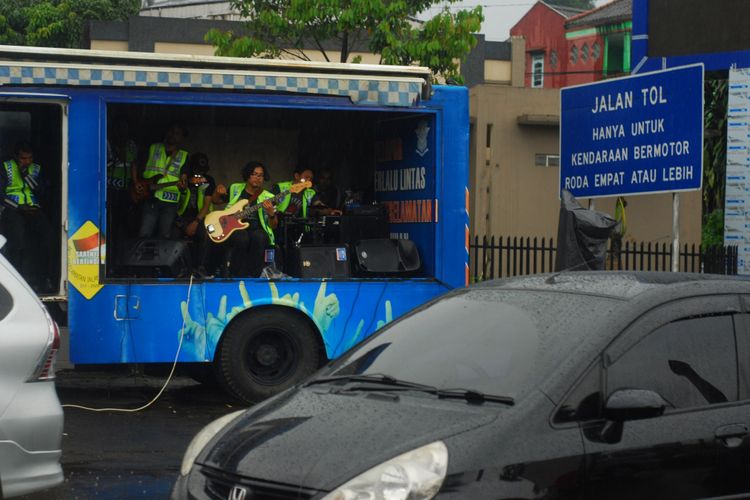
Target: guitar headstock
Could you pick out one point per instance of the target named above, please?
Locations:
(300, 186)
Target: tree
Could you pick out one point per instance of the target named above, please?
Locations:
(715, 115)
(287, 28)
(57, 23)
(576, 4)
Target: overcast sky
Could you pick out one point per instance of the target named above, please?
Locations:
(500, 15)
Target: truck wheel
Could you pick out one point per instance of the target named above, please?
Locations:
(265, 352)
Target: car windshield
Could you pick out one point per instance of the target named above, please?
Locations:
(498, 342)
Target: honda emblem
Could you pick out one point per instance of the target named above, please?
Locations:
(237, 493)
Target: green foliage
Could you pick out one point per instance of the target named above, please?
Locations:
(337, 28)
(714, 160)
(715, 144)
(712, 233)
(57, 23)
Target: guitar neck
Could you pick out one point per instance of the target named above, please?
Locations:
(250, 209)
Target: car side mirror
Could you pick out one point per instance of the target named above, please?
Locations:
(633, 404)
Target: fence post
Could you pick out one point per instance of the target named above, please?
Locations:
(484, 257)
(500, 248)
(492, 258)
(476, 256)
(552, 254)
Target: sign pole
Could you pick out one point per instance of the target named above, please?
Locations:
(675, 232)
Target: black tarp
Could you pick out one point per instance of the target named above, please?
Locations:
(582, 236)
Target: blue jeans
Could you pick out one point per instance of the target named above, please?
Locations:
(161, 212)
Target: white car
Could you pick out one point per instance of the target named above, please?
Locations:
(31, 418)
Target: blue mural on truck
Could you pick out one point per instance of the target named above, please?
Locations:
(344, 312)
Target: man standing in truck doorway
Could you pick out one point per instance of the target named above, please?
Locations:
(23, 222)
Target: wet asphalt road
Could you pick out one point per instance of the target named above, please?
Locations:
(115, 455)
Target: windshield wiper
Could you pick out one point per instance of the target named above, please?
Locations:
(377, 378)
(474, 396)
(470, 395)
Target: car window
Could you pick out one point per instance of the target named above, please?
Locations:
(6, 302)
(496, 342)
(690, 363)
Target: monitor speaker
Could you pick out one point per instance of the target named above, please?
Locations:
(323, 261)
(387, 257)
(155, 258)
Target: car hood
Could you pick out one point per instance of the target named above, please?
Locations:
(316, 439)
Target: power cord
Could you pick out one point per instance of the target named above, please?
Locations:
(166, 383)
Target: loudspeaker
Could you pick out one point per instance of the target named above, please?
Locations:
(323, 261)
(155, 258)
(387, 257)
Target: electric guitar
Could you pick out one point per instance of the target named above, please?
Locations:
(220, 224)
(150, 187)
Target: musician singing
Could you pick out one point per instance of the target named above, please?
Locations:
(245, 249)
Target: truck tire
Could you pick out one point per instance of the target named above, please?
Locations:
(264, 352)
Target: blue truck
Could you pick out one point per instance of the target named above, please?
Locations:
(397, 143)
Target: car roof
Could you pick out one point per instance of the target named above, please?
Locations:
(623, 285)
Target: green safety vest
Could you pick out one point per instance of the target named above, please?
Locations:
(307, 196)
(118, 169)
(19, 192)
(235, 191)
(185, 200)
(158, 164)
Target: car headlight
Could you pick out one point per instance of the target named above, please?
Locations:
(415, 475)
(203, 437)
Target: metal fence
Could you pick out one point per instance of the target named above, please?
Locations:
(504, 257)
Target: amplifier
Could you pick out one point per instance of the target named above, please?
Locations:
(323, 261)
(155, 258)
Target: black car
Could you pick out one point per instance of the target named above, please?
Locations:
(573, 385)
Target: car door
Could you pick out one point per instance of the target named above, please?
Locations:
(698, 448)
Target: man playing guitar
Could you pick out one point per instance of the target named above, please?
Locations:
(245, 249)
(163, 168)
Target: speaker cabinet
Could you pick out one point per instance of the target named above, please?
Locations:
(323, 261)
(154, 258)
(386, 257)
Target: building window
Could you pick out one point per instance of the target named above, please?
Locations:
(596, 51)
(617, 56)
(537, 70)
(585, 53)
(573, 54)
(553, 59)
(546, 160)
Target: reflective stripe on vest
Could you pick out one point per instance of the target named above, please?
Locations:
(118, 169)
(19, 192)
(235, 191)
(159, 164)
(307, 195)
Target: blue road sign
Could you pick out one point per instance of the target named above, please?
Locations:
(635, 135)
